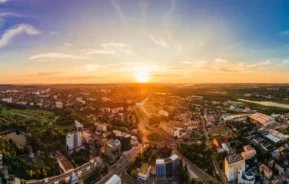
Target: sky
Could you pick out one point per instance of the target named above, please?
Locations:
(163, 41)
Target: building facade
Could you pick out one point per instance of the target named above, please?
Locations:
(249, 152)
(167, 168)
(144, 172)
(246, 177)
(112, 149)
(234, 164)
(73, 140)
(115, 179)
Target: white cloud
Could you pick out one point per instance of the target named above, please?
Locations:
(220, 60)
(3, 1)
(99, 51)
(168, 15)
(118, 10)
(286, 32)
(7, 14)
(217, 65)
(91, 67)
(186, 62)
(10, 33)
(53, 33)
(222, 65)
(283, 63)
(112, 48)
(158, 40)
(68, 44)
(259, 64)
(53, 55)
(119, 48)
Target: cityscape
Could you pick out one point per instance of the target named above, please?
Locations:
(144, 92)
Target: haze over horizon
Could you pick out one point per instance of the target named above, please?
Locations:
(128, 41)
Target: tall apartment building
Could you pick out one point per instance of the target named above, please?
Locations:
(167, 168)
(233, 163)
(112, 149)
(73, 140)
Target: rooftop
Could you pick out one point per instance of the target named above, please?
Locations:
(113, 179)
(145, 168)
(113, 143)
(234, 158)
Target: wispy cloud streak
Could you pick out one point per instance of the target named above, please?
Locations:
(118, 10)
(11, 33)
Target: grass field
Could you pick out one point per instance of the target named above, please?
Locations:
(22, 115)
(42, 118)
(155, 137)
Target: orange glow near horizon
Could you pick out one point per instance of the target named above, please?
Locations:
(142, 74)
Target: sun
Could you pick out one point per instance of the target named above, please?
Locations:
(142, 74)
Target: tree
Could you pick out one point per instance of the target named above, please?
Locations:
(133, 173)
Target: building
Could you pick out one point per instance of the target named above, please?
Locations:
(7, 100)
(246, 177)
(167, 168)
(1, 161)
(164, 113)
(225, 147)
(266, 171)
(233, 163)
(112, 149)
(262, 120)
(73, 140)
(78, 125)
(115, 179)
(101, 127)
(144, 172)
(249, 152)
(64, 164)
(276, 166)
(59, 105)
(74, 179)
(170, 129)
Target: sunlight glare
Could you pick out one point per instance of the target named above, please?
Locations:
(142, 74)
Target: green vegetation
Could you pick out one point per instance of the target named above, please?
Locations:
(19, 164)
(155, 120)
(93, 178)
(183, 174)
(79, 157)
(25, 119)
(198, 154)
(149, 155)
(155, 137)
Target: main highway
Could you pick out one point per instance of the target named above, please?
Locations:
(214, 160)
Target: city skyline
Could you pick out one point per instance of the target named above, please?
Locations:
(168, 41)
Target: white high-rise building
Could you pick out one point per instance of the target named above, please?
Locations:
(234, 164)
(73, 140)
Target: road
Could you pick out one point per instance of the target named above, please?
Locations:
(202, 175)
(214, 160)
(84, 170)
(117, 169)
(206, 134)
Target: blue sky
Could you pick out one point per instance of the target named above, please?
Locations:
(99, 41)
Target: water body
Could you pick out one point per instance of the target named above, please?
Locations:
(17, 138)
(267, 103)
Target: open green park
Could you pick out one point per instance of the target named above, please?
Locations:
(43, 130)
(155, 137)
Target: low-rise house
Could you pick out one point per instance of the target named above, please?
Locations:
(266, 171)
